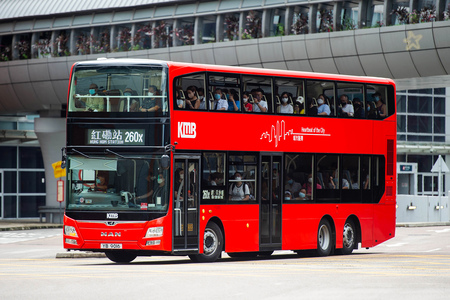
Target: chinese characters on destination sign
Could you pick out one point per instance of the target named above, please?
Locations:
(116, 137)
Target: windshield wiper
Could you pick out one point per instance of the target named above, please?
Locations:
(116, 154)
(81, 153)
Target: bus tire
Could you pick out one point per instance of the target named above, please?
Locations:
(120, 256)
(212, 244)
(349, 238)
(324, 238)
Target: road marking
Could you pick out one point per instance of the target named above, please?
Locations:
(395, 245)
(437, 249)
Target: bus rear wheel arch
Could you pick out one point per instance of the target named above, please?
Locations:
(212, 244)
(325, 238)
(120, 256)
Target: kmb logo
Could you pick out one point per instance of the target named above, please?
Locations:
(187, 130)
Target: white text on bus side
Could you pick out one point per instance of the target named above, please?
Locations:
(187, 130)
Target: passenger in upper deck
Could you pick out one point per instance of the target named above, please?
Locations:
(259, 105)
(201, 96)
(346, 109)
(245, 99)
(192, 101)
(219, 103)
(359, 109)
(180, 102)
(381, 107)
(233, 100)
(151, 104)
(94, 103)
(324, 108)
(134, 103)
(285, 107)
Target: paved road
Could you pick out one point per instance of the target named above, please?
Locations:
(414, 265)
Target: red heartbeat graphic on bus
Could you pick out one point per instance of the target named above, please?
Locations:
(278, 132)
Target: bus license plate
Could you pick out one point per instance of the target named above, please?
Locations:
(110, 246)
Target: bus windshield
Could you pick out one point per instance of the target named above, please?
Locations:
(119, 89)
(113, 183)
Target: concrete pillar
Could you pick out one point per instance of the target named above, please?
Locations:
(51, 133)
(133, 33)
(242, 19)
(34, 40)
(176, 41)
(14, 51)
(387, 18)
(337, 16)
(219, 28)
(312, 18)
(113, 38)
(265, 23)
(198, 31)
(73, 42)
(288, 20)
(440, 8)
(53, 45)
(362, 14)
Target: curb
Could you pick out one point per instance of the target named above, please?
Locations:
(29, 227)
(423, 224)
(81, 255)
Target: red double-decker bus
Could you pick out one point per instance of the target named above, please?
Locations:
(167, 158)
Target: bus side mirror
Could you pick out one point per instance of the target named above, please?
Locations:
(165, 161)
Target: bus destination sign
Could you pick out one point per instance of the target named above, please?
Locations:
(116, 137)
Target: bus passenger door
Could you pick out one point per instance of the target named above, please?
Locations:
(186, 189)
(270, 202)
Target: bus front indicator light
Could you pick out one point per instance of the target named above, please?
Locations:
(154, 232)
(70, 231)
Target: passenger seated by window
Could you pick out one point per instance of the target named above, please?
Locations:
(180, 102)
(192, 101)
(201, 96)
(312, 108)
(239, 191)
(324, 108)
(359, 110)
(334, 179)
(381, 107)
(259, 105)
(285, 107)
(308, 186)
(372, 112)
(151, 104)
(291, 184)
(346, 109)
(219, 102)
(301, 195)
(299, 107)
(91, 102)
(132, 102)
(216, 179)
(233, 100)
(246, 101)
(288, 195)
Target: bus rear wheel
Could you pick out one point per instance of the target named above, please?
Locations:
(324, 238)
(120, 256)
(349, 238)
(212, 245)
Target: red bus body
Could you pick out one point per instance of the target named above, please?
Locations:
(196, 131)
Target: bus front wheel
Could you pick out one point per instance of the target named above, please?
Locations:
(212, 245)
(120, 256)
(324, 238)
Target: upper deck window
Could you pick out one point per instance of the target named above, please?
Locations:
(119, 89)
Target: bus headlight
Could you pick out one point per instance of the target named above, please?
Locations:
(70, 231)
(154, 232)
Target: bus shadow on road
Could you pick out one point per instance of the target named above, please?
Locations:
(181, 260)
